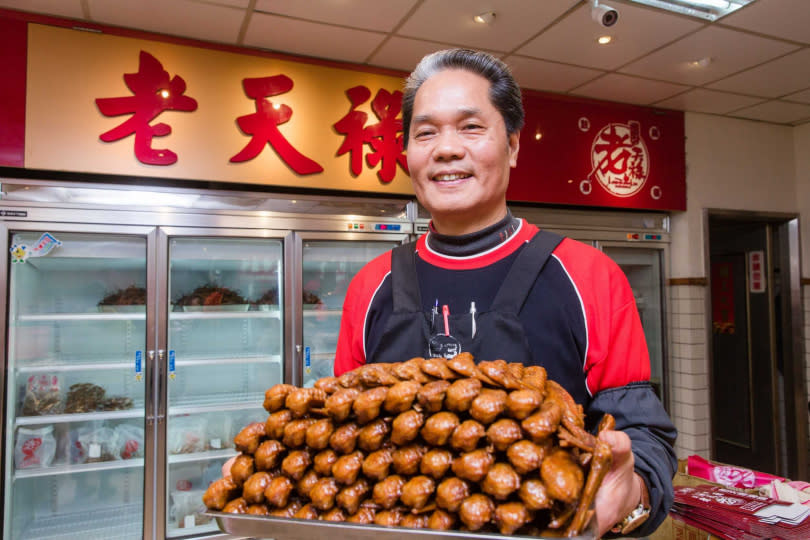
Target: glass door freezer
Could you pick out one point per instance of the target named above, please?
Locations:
(76, 441)
(224, 348)
(328, 262)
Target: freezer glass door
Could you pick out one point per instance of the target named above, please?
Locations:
(328, 267)
(225, 346)
(74, 444)
(642, 266)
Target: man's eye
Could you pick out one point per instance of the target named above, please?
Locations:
(423, 133)
(472, 126)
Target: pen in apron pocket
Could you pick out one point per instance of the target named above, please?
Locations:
(472, 318)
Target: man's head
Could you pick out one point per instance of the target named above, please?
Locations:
(462, 115)
(504, 91)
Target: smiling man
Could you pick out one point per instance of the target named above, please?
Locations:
(484, 282)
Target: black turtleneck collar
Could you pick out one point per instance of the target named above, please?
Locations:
(476, 242)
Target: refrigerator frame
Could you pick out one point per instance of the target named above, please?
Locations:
(148, 233)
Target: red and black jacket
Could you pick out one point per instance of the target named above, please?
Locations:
(580, 322)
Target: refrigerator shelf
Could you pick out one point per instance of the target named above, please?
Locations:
(218, 361)
(211, 455)
(73, 366)
(136, 412)
(200, 404)
(50, 317)
(111, 523)
(197, 315)
(322, 312)
(134, 463)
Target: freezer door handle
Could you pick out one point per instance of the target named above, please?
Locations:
(150, 379)
(161, 395)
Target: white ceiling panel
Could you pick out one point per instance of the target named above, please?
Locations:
(452, 22)
(379, 15)
(783, 76)
(639, 31)
(549, 76)
(627, 89)
(729, 51)
(708, 101)
(800, 97)
(776, 111)
(310, 39)
(403, 53)
(789, 19)
(758, 54)
(179, 17)
(71, 9)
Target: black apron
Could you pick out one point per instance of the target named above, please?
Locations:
(488, 335)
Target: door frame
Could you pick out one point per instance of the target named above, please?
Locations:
(795, 395)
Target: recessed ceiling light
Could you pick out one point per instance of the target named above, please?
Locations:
(538, 136)
(701, 63)
(485, 18)
(711, 10)
(604, 40)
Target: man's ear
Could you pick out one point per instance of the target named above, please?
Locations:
(514, 147)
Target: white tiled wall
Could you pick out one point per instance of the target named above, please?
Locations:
(689, 369)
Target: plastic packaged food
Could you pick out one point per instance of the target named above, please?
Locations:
(43, 395)
(97, 443)
(130, 439)
(35, 447)
(187, 434)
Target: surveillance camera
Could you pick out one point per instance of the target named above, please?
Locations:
(604, 15)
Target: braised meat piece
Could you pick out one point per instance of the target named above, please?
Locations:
(439, 428)
(278, 490)
(274, 425)
(268, 455)
(406, 427)
(466, 436)
(417, 491)
(248, 439)
(476, 511)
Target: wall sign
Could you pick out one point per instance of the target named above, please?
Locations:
(138, 107)
(756, 271)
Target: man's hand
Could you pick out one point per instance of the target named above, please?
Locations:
(226, 467)
(621, 489)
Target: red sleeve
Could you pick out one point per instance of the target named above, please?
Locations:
(617, 349)
(351, 351)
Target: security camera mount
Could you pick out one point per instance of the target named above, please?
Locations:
(603, 14)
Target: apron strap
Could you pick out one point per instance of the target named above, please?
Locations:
(524, 271)
(406, 295)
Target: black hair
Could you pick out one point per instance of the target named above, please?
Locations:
(504, 93)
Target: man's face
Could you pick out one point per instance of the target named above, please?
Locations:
(459, 154)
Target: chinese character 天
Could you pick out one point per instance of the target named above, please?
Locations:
(263, 124)
(153, 92)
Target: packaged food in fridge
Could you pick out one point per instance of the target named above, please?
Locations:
(188, 508)
(98, 443)
(84, 397)
(130, 439)
(35, 447)
(219, 432)
(187, 434)
(43, 395)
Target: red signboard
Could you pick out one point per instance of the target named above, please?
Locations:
(588, 153)
(13, 44)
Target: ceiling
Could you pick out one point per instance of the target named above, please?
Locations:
(758, 67)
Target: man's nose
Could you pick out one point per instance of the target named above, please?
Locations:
(448, 146)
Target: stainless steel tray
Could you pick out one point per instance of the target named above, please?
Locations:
(306, 529)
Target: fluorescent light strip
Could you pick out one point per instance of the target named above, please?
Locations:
(710, 10)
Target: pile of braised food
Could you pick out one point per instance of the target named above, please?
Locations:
(426, 443)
